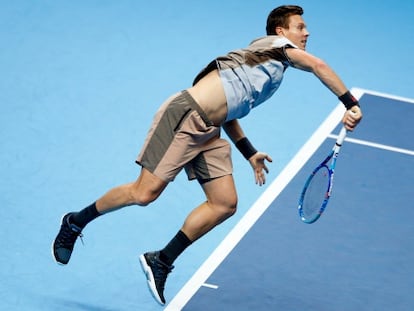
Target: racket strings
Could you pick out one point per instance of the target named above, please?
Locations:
(316, 194)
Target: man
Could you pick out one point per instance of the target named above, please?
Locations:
(186, 134)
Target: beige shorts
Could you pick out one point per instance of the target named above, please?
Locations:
(181, 136)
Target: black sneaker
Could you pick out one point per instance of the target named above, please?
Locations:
(65, 240)
(156, 272)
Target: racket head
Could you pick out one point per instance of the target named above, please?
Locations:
(315, 194)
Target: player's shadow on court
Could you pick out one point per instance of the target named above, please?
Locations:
(63, 304)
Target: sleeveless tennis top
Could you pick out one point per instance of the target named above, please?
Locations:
(251, 75)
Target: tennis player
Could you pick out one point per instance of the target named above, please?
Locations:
(185, 134)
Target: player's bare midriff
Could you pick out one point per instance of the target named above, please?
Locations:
(210, 96)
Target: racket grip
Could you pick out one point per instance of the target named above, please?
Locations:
(341, 136)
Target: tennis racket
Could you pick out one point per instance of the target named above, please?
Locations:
(318, 187)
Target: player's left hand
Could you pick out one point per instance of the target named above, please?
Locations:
(352, 117)
(257, 161)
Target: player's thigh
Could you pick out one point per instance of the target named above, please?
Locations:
(221, 192)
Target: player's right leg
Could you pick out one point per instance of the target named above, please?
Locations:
(142, 192)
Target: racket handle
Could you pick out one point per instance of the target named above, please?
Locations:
(341, 136)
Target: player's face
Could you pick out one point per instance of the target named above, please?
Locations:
(297, 32)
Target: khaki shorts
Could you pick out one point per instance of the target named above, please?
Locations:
(181, 136)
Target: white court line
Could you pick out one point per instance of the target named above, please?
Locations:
(375, 145)
(264, 201)
(210, 285)
(358, 92)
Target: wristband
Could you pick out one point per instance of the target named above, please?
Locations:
(348, 100)
(246, 148)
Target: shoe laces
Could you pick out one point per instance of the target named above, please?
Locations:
(161, 272)
(69, 234)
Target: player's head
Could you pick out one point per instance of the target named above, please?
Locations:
(287, 21)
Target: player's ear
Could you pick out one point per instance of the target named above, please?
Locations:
(279, 31)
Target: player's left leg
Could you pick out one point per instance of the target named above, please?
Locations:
(221, 204)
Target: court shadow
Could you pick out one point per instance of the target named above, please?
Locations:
(63, 304)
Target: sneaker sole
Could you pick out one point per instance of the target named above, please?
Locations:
(150, 279)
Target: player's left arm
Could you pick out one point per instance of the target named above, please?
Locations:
(255, 158)
(305, 61)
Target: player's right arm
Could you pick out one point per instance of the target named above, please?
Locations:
(303, 60)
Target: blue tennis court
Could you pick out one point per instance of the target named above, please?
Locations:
(358, 256)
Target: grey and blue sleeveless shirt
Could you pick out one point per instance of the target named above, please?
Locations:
(251, 75)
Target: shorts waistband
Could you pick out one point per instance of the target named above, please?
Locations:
(196, 107)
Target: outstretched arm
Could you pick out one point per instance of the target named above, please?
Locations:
(302, 60)
(256, 158)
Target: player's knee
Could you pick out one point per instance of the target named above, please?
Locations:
(228, 207)
(233, 206)
(231, 211)
(143, 198)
